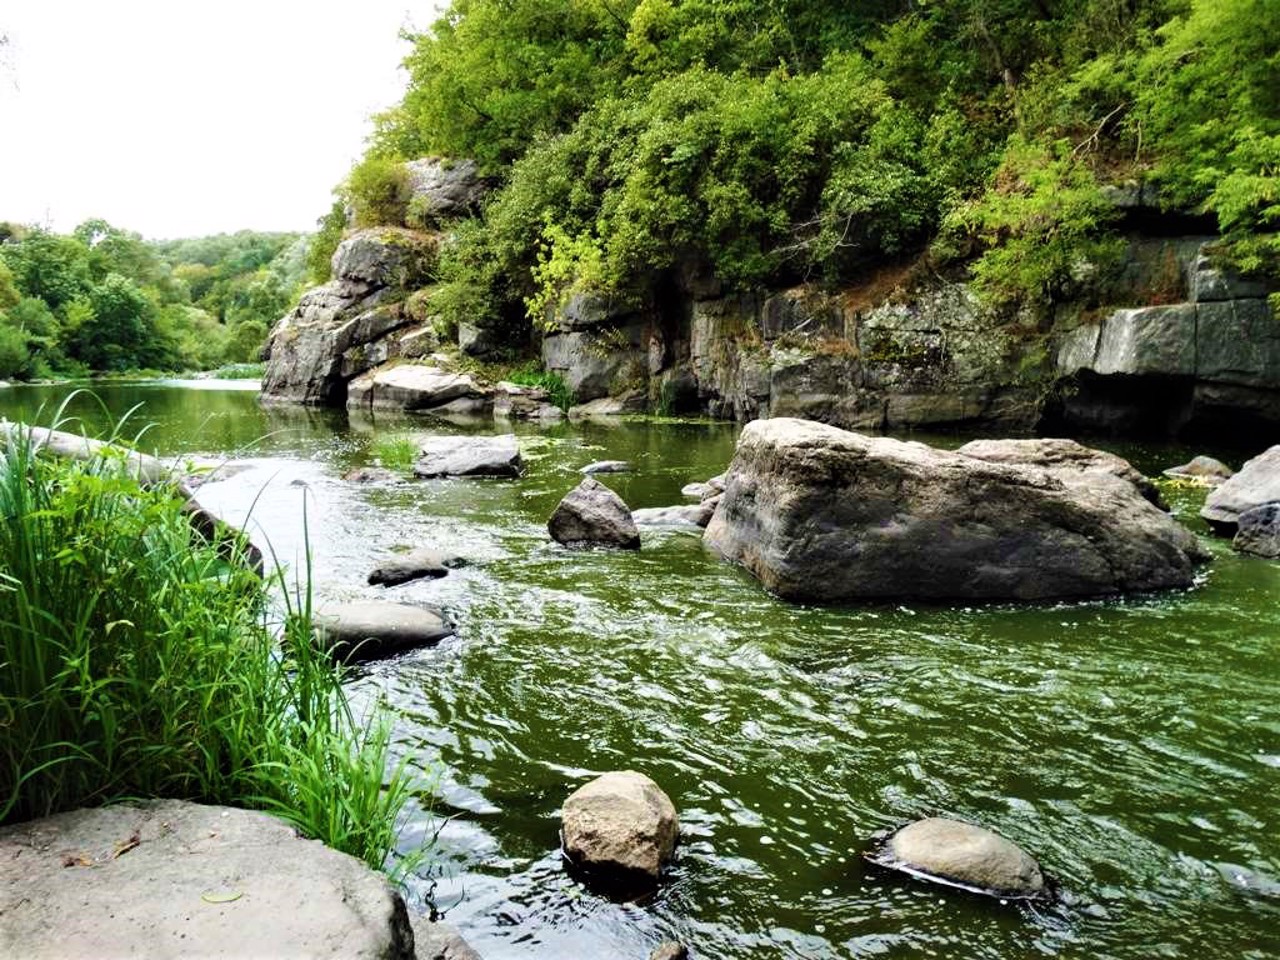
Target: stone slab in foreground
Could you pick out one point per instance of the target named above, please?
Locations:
(819, 513)
(175, 879)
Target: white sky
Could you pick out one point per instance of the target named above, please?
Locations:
(181, 118)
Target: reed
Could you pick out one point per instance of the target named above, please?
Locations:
(136, 660)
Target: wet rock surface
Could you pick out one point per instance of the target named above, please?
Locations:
(469, 457)
(592, 515)
(965, 855)
(1258, 531)
(1257, 483)
(819, 513)
(372, 629)
(619, 828)
(418, 564)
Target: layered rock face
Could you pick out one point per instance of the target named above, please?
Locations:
(356, 321)
(818, 513)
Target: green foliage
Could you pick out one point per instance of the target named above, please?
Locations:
(1043, 225)
(395, 452)
(559, 392)
(378, 190)
(327, 237)
(139, 662)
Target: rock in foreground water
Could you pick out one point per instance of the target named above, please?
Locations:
(819, 513)
(620, 828)
(371, 629)
(177, 879)
(965, 855)
(592, 515)
(418, 564)
(1258, 482)
(469, 457)
(1258, 531)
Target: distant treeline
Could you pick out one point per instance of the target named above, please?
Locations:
(103, 300)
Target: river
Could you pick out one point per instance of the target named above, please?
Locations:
(1131, 745)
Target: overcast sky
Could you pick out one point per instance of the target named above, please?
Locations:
(176, 118)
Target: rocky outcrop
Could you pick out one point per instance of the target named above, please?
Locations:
(442, 189)
(469, 457)
(420, 564)
(372, 629)
(357, 320)
(1258, 531)
(592, 515)
(170, 878)
(619, 828)
(963, 855)
(1257, 483)
(818, 513)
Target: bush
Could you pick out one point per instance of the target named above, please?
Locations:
(139, 661)
(378, 190)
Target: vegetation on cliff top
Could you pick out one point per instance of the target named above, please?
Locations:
(778, 141)
(104, 300)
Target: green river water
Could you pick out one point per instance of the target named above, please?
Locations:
(1131, 745)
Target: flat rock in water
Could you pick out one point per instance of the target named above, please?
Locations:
(593, 515)
(819, 513)
(469, 457)
(176, 879)
(683, 515)
(439, 941)
(1205, 470)
(411, 386)
(370, 629)
(1258, 482)
(371, 475)
(1258, 531)
(620, 827)
(415, 565)
(606, 466)
(964, 855)
(698, 490)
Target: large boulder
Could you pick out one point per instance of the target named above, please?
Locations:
(372, 629)
(469, 457)
(1258, 482)
(386, 257)
(619, 828)
(177, 879)
(593, 515)
(961, 854)
(413, 387)
(1258, 531)
(819, 513)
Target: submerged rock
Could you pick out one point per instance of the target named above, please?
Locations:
(417, 564)
(1205, 470)
(469, 457)
(1258, 531)
(819, 513)
(371, 629)
(370, 475)
(606, 466)
(619, 828)
(170, 878)
(1258, 482)
(592, 515)
(963, 855)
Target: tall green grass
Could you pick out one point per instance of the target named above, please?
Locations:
(136, 660)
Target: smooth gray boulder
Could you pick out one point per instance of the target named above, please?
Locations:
(619, 828)
(413, 387)
(176, 879)
(819, 513)
(469, 457)
(418, 564)
(1203, 470)
(966, 856)
(1258, 482)
(606, 466)
(592, 515)
(682, 515)
(371, 629)
(698, 490)
(1258, 531)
